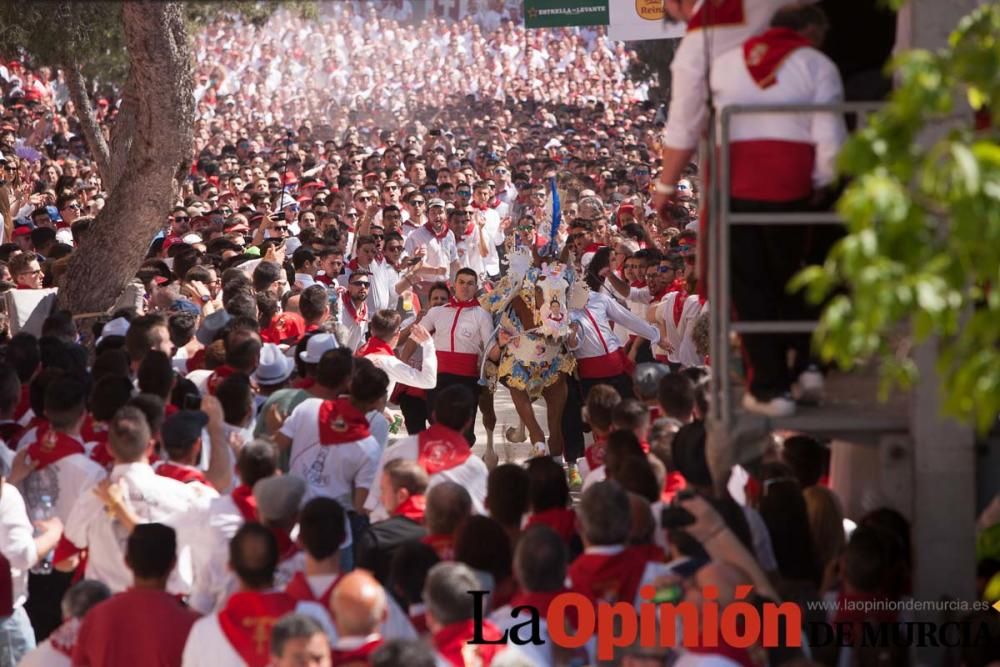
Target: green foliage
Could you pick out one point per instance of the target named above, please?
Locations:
(58, 32)
(922, 256)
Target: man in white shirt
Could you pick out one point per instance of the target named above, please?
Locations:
(441, 450)
(332, 447)
(147, 496)
(60, 468)
(384, 330)
(470, 241)
(713, 28)
(463, 333)
(779, 163)
(487, 222)
(354, 309)
(438, 245)
(21, 550)
(238, 633)
(207, 527)
(57, 649)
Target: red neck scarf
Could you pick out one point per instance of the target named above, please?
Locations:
(246, 621)
(356, 657)
(303, 383)
(440, 448)
(180, 472)
(340, 422)
(764, 54)
(469, 303)
(443, 545)
(595, 455)
(560, 519)
(102, 456)
(243, 498)
(52, 446)
(374, 345)
(93, 431)
(437, 235)
(483, 207)
(217, 376)
(298, 587)
(593, 247)
(452, 640)
(412, 508)
(359, 315)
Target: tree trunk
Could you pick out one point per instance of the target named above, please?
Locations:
(162, 89)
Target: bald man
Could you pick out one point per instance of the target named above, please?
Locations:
(359, 606)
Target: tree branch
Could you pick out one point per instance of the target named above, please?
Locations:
(77, 85)
(122, 133)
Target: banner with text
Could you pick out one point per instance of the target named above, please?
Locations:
(566, 13)
(635, 20)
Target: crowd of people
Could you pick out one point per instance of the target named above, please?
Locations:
(263, 453)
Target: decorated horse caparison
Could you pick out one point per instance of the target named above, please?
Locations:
(533, 302)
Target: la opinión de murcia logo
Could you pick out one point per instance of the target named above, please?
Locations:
(742, 624)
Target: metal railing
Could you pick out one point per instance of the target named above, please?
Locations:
(716, 153)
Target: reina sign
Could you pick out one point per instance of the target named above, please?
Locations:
(649, 10)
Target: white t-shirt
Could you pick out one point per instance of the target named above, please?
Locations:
(65, 482)
(151, 497)
(207, 646)
(17, 540)
(206, 529)
(471, 474)
(332, 471)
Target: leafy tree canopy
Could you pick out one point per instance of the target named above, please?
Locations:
(922, 252)
(57, 32)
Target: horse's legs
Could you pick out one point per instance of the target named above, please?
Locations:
(555, 402)
(522, 403)
(490, 422)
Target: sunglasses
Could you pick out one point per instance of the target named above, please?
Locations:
(464, 193)
(280, 228)
(418, 202)
(430, 191)
(394, 248)
(390, 187)
(359, 284)
(378, 237)
(352, 215)
(181, 218)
